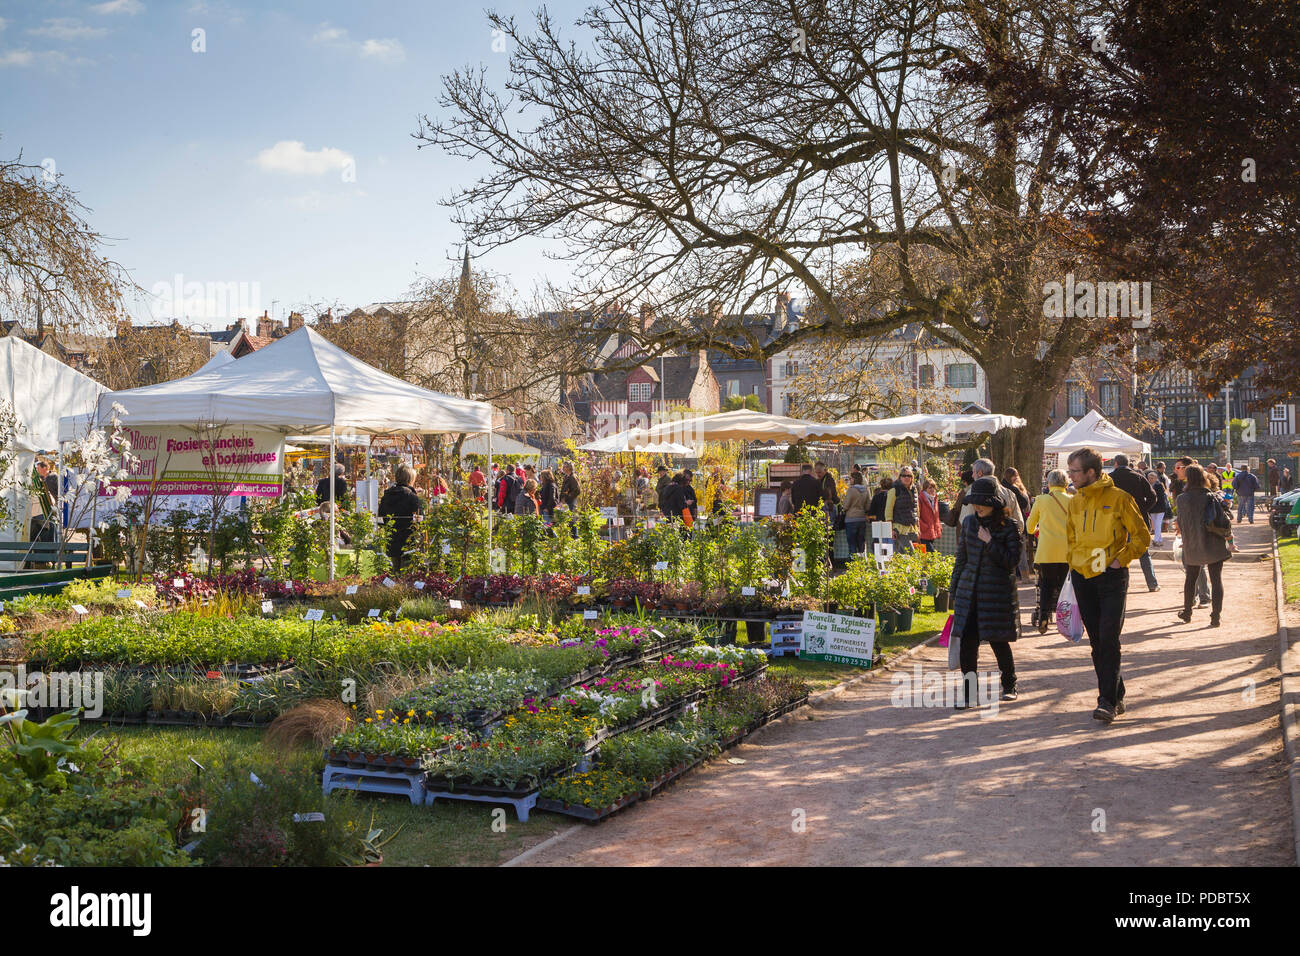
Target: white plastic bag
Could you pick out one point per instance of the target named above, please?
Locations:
(1178, 549)
(1068, 619)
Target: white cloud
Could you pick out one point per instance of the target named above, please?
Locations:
(67, 28)
(291, 156)
(129, 7)
(25, 57)
(389, 51)
(385, 50)
(329, 34)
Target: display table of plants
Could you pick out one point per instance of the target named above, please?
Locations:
(585, 750)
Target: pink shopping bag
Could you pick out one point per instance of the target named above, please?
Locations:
(946, 633)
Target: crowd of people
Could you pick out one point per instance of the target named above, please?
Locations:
(1088, 527)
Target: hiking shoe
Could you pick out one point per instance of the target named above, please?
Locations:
(1119, 708)
(1185, 615)
(1011, 694)
(1104, 712)
(1042, 626)
(1156, 588)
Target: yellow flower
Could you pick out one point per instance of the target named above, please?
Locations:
(367, 720)
(410, 713)
(407, 720)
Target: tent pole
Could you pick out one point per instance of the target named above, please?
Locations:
(58, 499)
(329, 476)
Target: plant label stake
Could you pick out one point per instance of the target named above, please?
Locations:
(267, 607)
(141, 605)
(350, 590)
(178, 583)
(349, 605)
(314, 614)
(661, 565)
(123, 594)
(80, 610)
(418, 585)
(315, 817)
(589, 615)
(373, 612)
(389, 583)
(455, 605)
(746, 592)
(582, 589)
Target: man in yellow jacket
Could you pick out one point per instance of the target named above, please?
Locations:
(1105, 532)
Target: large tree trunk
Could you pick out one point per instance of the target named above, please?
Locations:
(1022, 389)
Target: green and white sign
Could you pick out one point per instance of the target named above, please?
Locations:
(838, 638)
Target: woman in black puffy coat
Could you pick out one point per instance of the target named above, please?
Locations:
(986, 606)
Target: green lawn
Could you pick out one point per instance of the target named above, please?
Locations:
(446, 834)
(1288, 554)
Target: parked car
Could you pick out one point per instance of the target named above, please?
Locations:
(1281, 508)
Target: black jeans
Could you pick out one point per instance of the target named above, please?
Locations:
(970, 655)
(1101, 605)
(1216, 587)
(1051, 578)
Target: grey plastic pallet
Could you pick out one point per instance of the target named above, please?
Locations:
(409, 783)
(522, 805)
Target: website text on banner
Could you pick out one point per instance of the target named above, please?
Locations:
(178, 461)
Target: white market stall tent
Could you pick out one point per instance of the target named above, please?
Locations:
(741, 425)
(620, 443)
(1095, 431)
(299, 385)
(43, 391)
(951, 427)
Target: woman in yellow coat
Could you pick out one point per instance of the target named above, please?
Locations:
(1048, 518)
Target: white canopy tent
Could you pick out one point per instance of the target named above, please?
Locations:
(43, 391)
(1095, 431)
(1065, 427)
(619, 443)
(300, 385)
(741, 425)
(950, 427)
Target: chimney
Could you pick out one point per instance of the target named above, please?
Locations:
(715, 313)
(296, 321)
(647, 317)
(264, 325)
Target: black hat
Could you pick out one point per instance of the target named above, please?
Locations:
(984, 491)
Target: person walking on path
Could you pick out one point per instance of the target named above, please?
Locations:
(1203, 549)
(1048, 517)
(397, 507)
(930, 526)
(1105, 532)
(1161, 511)
(1126, 479)
(986, 605)
(855, 514)
(1244, 486)
(984, 468)
(901, 510)
(1161, 476)
(1271, 477)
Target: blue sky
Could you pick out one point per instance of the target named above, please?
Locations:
(229, 165)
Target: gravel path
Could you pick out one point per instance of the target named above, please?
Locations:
(1191, 774)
